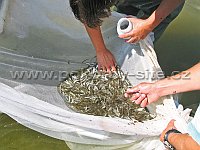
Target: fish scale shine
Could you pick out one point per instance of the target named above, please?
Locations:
(96, 93)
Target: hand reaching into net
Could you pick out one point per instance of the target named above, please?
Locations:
(106, 60)
(143, 94)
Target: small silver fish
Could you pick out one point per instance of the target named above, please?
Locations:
(96, 93)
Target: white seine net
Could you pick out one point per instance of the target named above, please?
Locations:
(43, 36)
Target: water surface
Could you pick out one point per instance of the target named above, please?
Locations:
(178, 49)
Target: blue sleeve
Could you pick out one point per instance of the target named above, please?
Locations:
(194, 126)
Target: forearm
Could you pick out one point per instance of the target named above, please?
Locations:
(105, 59)
(188, 80)
(183, 142)
(164, 9)
(96, 37)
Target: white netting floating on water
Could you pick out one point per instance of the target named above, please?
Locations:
(43, 36)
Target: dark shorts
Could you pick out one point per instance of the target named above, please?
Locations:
(143, 9)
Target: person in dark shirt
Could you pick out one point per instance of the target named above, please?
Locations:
(152, 15)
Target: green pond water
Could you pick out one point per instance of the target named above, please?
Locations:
(177, 50)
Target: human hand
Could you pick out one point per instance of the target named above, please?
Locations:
(106, 60)
(169, 127)
(143, 94)
(141, 28)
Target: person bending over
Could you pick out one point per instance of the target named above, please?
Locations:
(153, 15)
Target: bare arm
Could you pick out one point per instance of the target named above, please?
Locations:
(164, 9)
(143, 27)
(183, 142)
(146, 93)
(186, 81)
(106, 60)
(180, 141)
(96, 37)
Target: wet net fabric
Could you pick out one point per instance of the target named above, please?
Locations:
(43, 36)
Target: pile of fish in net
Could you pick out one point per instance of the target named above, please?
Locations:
(96, 93)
